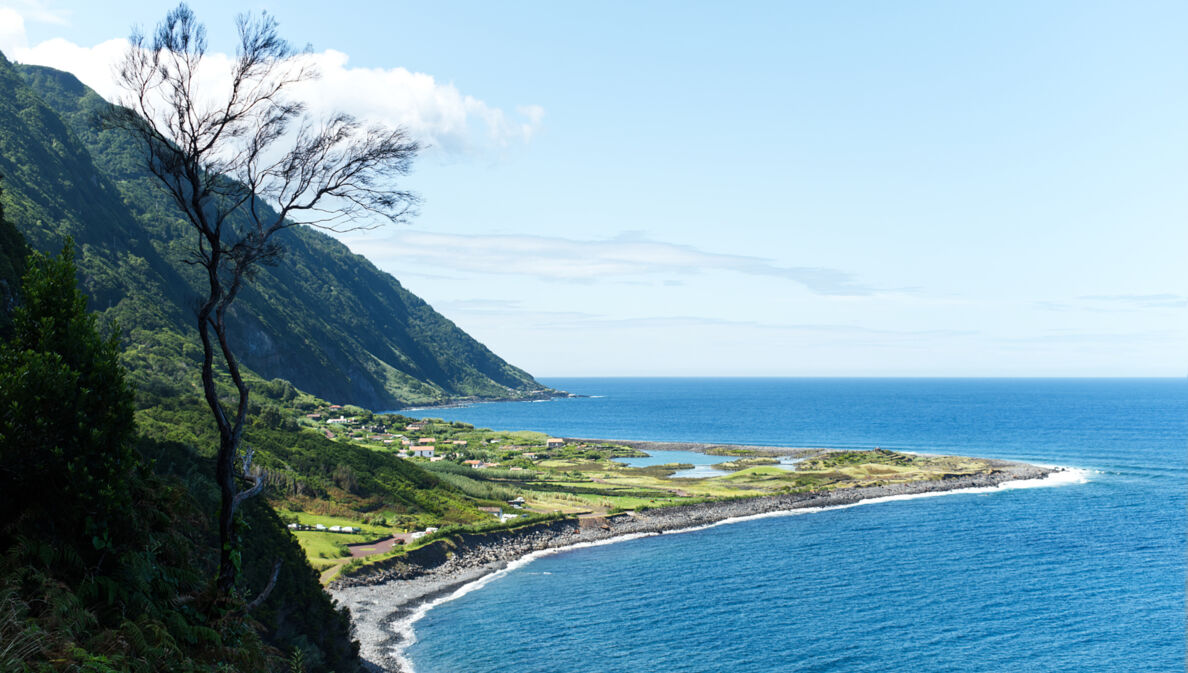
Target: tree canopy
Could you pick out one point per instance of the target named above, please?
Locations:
(66, 413)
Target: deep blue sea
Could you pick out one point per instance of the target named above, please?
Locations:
(1086, 576)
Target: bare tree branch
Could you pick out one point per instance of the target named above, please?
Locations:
(241, 167)
(267, 589)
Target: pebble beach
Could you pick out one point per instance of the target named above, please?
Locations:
(385, 601)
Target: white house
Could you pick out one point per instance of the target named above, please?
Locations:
(421, 451)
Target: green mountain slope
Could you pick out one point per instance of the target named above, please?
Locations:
(325, 319)
(13, 251)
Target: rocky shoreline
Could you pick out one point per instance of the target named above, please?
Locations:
(381, 601)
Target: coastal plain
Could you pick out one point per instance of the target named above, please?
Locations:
(474, 480)
(386, 594)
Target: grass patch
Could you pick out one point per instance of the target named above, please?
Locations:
(319, 545)
(744, 463)
(308, 519)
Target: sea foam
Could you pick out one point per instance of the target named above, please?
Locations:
(404, 628)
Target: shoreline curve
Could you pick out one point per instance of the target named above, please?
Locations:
(385, 603)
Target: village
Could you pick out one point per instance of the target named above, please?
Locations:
(432, 439)
(483, 463)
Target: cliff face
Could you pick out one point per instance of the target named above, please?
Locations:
(325, 319)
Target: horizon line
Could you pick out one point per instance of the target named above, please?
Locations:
(855, 376)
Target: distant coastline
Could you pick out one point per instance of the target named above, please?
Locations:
(456, 402)
(385, 601)
(703, 447)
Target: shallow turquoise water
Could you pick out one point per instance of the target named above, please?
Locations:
(666, 457)
(1082, 577)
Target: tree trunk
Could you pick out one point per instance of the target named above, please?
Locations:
(225, 476)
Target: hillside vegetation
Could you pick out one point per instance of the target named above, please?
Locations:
(107, 548)
(324, 318)
(107, 536)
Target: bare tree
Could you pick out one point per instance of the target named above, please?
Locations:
(241, 167)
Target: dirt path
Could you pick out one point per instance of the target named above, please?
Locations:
(362, 549)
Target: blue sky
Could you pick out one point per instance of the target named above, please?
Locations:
(849, 189)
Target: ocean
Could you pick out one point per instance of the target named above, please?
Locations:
(1084, 576)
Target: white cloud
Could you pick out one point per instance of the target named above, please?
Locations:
(92, 65)
(553, 258)
(39, 11)
(436, 113)
(1117, 303)
(1140, 301)
(12, 31)
(1068, 336)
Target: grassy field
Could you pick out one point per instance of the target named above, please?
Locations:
(308, 519)
(318, 544)
(578, 478)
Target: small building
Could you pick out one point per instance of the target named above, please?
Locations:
(334, 407)
(554, 442)
(414, 427)
(421, 451)
(497, 512)
(427, 440)
(459, 442)
(476, 464)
